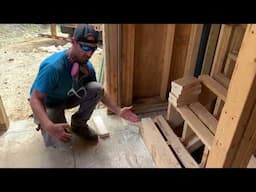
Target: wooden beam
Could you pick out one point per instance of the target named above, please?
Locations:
(214, 86)
(236, 131)
(210, 48)
(172, 139)
(4, 121)
(127, 60)
(160, 151)
(221, 50)
(193, 48)
(167, 56)
(187, 133)
(196, 125)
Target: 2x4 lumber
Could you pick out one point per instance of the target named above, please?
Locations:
(160, 151)
(222, 79)
(167, 56)
(221, 50)
(193, 48)
(184, 156)
(4, 121)
(236, 131)
(210, 48)
(196, 125)
(205, 116)
(214, 86)
(184, 83)
(128, 42)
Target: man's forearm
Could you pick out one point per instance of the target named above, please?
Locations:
(106, 100)
(40, 112)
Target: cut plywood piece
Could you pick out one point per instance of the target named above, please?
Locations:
(214, 86)
(192, 90)
(196, 125)
(100, 127)
(184, 156)
(160, 151)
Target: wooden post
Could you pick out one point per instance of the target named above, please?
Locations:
(235, 138)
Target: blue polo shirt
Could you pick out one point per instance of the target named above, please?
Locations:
(54, 78)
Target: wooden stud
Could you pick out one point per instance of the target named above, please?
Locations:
(239, 111)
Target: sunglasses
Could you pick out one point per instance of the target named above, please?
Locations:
(87, 48)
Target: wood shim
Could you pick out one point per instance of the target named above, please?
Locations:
(100, 127)
(157, 147)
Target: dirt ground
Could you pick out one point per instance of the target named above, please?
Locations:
(21, 52)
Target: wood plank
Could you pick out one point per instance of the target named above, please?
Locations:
(193, 48)
(214, 86)
(222, 79)
(178, 102)
(110, 38)
(184, 83)
(192, 90)
(4, 121)
(210, 48)
(167, 57)
(238, 112)
(127, 60)
(160, 151)
(101, 129)
(184, 156)
(204, 115)
(221, 50)
(196, 125)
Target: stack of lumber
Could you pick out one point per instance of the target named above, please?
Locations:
(185, 91)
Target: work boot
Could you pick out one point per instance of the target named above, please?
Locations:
(81, 128)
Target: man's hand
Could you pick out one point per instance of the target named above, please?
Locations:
(57, 130)
(127, 114)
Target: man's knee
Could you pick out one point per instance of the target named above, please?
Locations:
(95, 89)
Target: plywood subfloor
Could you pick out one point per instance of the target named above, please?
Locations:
(22, 147)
